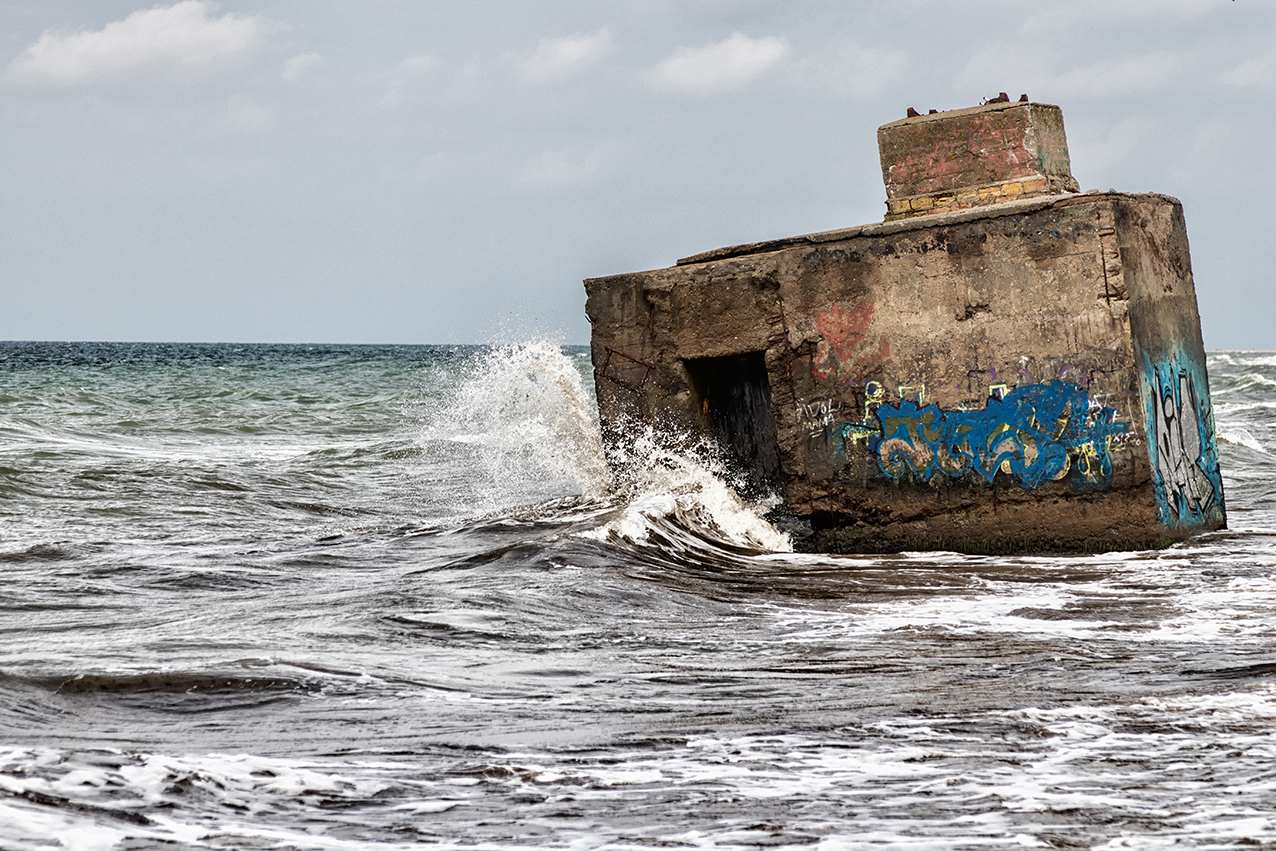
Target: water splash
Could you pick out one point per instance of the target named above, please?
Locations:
(530, 424)
(670, 479)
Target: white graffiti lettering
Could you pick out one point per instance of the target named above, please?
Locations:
(1179, 443)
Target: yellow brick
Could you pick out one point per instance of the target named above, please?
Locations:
(923, 203)
(1011, 188)
(897, 206)
(944, 200)
(968, 196)
(1037, 185)
(987, 192)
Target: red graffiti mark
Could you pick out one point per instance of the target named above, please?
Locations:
(844, 349)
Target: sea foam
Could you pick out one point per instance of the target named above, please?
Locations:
(527, 412)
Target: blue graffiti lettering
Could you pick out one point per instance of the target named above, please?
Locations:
(1035, 433)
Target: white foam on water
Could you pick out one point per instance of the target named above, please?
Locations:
(527, 412)
(1240, 358)
(1164, 764)
(1254, 379)
(1241, 437)
(912, 785)
(1225, 408)
(25, 827)
(669, 479)
(250, 786)
(1144, 598)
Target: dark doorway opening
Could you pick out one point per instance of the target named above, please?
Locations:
(734, 397)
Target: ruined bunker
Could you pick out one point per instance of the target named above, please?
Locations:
(1005, 364)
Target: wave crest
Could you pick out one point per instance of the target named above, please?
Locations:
(667, 479)
(526, 417)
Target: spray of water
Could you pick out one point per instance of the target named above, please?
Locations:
(529, 420)
(666, 478)
(530, 424)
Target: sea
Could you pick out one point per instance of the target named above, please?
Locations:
(391, 597)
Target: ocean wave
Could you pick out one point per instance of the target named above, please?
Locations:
(1253, 379)
(1227, 408)
(527, 417)
(665, 479)
(92, 801)
(1254, 358)
(1241, 437)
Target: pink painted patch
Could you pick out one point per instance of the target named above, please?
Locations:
(845, 351)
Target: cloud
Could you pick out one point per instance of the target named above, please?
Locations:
(718, 67)
(1033, 70)
(422, 64)
(557, 59)
(566, 167)
(408, 79)
(1256, 71)
(1107, 147)
(1048, 21)
(172, 38)
(246, 114)
(1210, 134)
(864, 71)
(296, 67)
(1137, 74)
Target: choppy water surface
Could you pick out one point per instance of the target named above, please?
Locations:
(379, 597)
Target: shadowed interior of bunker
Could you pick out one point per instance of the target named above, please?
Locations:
(734, 396)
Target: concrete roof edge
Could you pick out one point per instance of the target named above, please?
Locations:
(874, 228)
(968, 110)
(989, 211)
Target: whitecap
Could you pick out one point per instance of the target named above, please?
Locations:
(1254, 379)
(671, 483)
(1241, 437)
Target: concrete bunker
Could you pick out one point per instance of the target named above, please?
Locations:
(1004, 364)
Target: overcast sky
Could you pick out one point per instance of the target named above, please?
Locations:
(428, 172)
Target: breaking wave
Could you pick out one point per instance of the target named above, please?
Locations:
(528, 416)
(670, 481)
(1253, 379)
(525, 417)
(1241, 437)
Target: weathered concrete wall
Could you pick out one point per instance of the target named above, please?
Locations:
(1178, 420)
(1025, 376)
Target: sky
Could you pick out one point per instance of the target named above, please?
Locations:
(412, 171)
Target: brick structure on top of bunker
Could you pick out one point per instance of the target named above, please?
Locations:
(1005, 364)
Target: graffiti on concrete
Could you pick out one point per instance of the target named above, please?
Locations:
(863, 430)
(1189, 488)
(819, 416)
(1035, 434)
(844, 349)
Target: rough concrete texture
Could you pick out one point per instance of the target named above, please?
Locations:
(1026, 376)
(971, 157)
